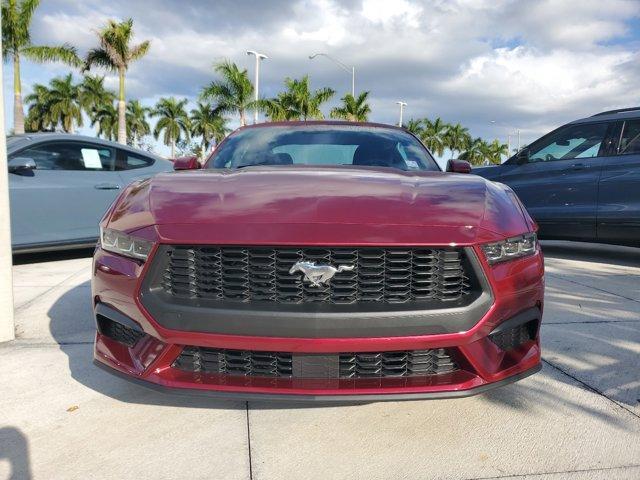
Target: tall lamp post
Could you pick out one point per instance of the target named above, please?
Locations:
(344, 67)
(509, 135)
(402, 105)
(259, 56)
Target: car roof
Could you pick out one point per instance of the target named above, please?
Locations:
(21, 141)
(611, 115)
(305, 123)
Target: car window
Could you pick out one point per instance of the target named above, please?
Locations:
(70, 156)
(572, 141)
(131, 161)
(350, 145)
(630, 138)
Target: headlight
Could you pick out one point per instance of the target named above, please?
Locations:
(511, 248)
(123, 244)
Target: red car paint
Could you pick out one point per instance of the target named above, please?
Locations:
(319, 206)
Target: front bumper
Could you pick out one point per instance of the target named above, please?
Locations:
(481, 363)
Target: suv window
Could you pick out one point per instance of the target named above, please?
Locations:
(70, 156)
(630, 138)
(131, 161)
(572, 141)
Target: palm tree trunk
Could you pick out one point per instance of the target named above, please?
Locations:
(18, 112)
(122, 125)
(173, 148)
(243, 121)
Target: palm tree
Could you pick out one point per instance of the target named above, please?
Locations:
(93, 94)
(16, 42)
(38, 116)
(106, 118)
(476, 152)
(456, 138)
(233, 93)
(303, 103)
(207, 124)
(173, 120)
(64, 104)
(496, 150)
(116, 53)
(434, 135)
(137, 124)
(415, 126)
(353, 109)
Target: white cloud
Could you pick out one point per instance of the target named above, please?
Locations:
(534, 64)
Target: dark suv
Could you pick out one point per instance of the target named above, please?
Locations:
(582, 180)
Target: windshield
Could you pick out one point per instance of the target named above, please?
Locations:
(323, 145)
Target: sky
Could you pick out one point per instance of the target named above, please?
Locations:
(496, 66)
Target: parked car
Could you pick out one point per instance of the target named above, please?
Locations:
(582, 180)
(319, 261)
(60, 185)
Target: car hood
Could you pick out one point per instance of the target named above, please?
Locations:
(320, 203)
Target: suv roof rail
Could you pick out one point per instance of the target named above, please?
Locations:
(619, 110)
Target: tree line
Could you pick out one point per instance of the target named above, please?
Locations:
(60, 104)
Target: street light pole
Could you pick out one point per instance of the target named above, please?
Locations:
(7, 325)
(344, 67)
(402, 105)
(259, 56)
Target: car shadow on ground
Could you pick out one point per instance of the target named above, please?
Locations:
(43, 257)
(73, 327)
(592, 252)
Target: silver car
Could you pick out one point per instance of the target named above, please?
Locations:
(61, 184)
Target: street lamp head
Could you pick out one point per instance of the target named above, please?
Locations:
(401, 103)
(261, 56)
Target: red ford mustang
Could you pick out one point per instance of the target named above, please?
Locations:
(319, 260)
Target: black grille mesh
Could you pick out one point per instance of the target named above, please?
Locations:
(514, 337)
(396, 364)
(118, 332)
(410, 363)
(262, 274)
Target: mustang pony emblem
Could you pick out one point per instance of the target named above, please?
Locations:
(316, 275)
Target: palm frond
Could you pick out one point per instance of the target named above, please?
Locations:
(63, 53)
(139, 50)
(98, 57)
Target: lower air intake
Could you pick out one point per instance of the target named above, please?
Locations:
(411, 363)
(118, 332)
(514, 337)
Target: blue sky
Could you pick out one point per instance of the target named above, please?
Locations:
(494, 66)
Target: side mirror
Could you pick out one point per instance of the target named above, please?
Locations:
(21, 165)
(458, 166)
(522, 156)
(186, 163)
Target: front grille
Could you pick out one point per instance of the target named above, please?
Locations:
(396, 364)
(235, 362)
(411, 363)
(261, 274)
(118, 332)
(514, 337)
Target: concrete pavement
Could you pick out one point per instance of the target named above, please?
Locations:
(61, 417)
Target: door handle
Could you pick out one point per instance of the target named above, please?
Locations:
(107, 186)
(579, 166)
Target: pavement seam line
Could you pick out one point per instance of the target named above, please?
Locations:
(249, 441)
(34, 300)
(591, 286)
(591, 321)
(516, 475)
(592, 389)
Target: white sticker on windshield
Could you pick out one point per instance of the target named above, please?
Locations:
(91, 158)
(412, 164)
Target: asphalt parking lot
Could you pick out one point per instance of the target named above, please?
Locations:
(579, 418)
